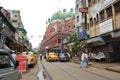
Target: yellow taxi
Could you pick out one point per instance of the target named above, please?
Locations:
(31, 61)
(52, 56)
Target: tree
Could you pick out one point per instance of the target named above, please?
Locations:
(77, 46)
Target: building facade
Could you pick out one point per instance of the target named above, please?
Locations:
(12, 32)
(60, 27)
(22, 42)
(80, 15)
(81, 10)
(103, 25)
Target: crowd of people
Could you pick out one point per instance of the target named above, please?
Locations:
(90, 56)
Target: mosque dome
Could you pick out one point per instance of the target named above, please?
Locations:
(56, 16)
(62, 15)
(69, 14)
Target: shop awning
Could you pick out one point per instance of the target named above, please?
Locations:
(96, 41)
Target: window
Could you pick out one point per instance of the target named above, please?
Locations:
(102, 16)
(77, 7)
(91, 22)
(5, 62)
(14, 21)
(83, 3)
(87, 26)
(15, 15)
(69, 27)
(97, 19)
(117, 7)
(78, 28)
(91, 2)
(109, 12)
(59, 40)
(83, 15)
(77, 18)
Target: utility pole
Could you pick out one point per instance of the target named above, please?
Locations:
(64, 10)
(61, 39)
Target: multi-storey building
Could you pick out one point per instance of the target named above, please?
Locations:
(6, 29)
(80, 15)
(12, 32)
(20, 36)
(81, 19)
(60, 27)
(81, 10)
(103, 20)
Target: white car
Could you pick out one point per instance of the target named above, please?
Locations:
(8, 67)
(100, 56)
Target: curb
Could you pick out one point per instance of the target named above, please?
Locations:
(40, 74)
(46, 74)
(112, 70)
(43, 73)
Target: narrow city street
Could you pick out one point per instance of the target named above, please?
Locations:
(72, 71)
(60, 40)
(45, 70)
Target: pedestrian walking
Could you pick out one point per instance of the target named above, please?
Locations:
(40, 57)
(83, 62)
(91, 56)
(87, 58)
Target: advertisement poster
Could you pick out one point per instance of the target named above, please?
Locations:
(22, 63)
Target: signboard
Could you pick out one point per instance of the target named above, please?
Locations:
(106, 26)
(22, 63)
(82, 35)
(83, 10)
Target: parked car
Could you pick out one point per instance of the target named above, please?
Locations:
(31, 60)
(100, 57)
(64, 57)
(8, 67)
(52, 56)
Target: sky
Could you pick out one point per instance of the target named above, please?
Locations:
(35, 13)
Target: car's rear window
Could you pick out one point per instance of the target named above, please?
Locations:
(5, 61)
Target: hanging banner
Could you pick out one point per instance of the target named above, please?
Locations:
(82, 35)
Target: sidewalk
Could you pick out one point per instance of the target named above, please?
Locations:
(108, 66)
(31, 75)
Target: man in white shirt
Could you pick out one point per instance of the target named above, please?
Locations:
(83, 62)
(14, 55)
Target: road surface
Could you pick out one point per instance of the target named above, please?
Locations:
(72, 71)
